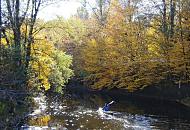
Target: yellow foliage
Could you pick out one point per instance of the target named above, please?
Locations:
(151, 32)
(132, 53)
(40, 121)
(154, 49)
(93, 43)
(42, 61)
(3, 41)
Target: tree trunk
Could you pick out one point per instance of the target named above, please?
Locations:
(182, 42)
(172, 17)
(101, 17)
(17, 34)
(130, 14)
(28, 51)
(164, 23)
(17, 41)
(0, 29)
(35, 9)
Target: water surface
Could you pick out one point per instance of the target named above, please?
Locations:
(82, 112)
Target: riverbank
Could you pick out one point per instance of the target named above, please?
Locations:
(164, 93)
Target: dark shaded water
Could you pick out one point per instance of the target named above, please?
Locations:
(80, 112)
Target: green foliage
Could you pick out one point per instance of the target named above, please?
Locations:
(2, 107)
(68, 36)
(60, 73)
(49, 67)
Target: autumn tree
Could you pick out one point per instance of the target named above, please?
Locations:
(117, 54)
(136, 49)
(19, 41)
(82, 11)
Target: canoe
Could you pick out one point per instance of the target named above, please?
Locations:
(109, 112)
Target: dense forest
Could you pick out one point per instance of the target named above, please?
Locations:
(125, 44)
(121, 44)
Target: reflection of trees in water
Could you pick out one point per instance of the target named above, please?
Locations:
(90, 99)
(61, 103)
(39, 121)
(80, 112)
(128, 107)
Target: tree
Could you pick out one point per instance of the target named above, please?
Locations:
(100, 11)
(20, 36)
(116, 56)
(129, 53)
(49, 68)
(82, 12)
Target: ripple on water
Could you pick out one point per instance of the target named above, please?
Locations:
(83, 118)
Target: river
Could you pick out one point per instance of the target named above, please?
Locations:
(81, 112)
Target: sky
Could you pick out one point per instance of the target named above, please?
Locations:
(63, 8)
(67, 8)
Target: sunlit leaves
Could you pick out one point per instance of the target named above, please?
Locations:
(49, 67)
(41, 62)
(122, 55)
(61, 72)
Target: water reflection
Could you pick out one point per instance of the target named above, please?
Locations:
(75, 112)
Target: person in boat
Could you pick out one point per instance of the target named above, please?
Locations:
(107, 106)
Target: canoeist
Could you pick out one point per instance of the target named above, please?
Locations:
(107, 106)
